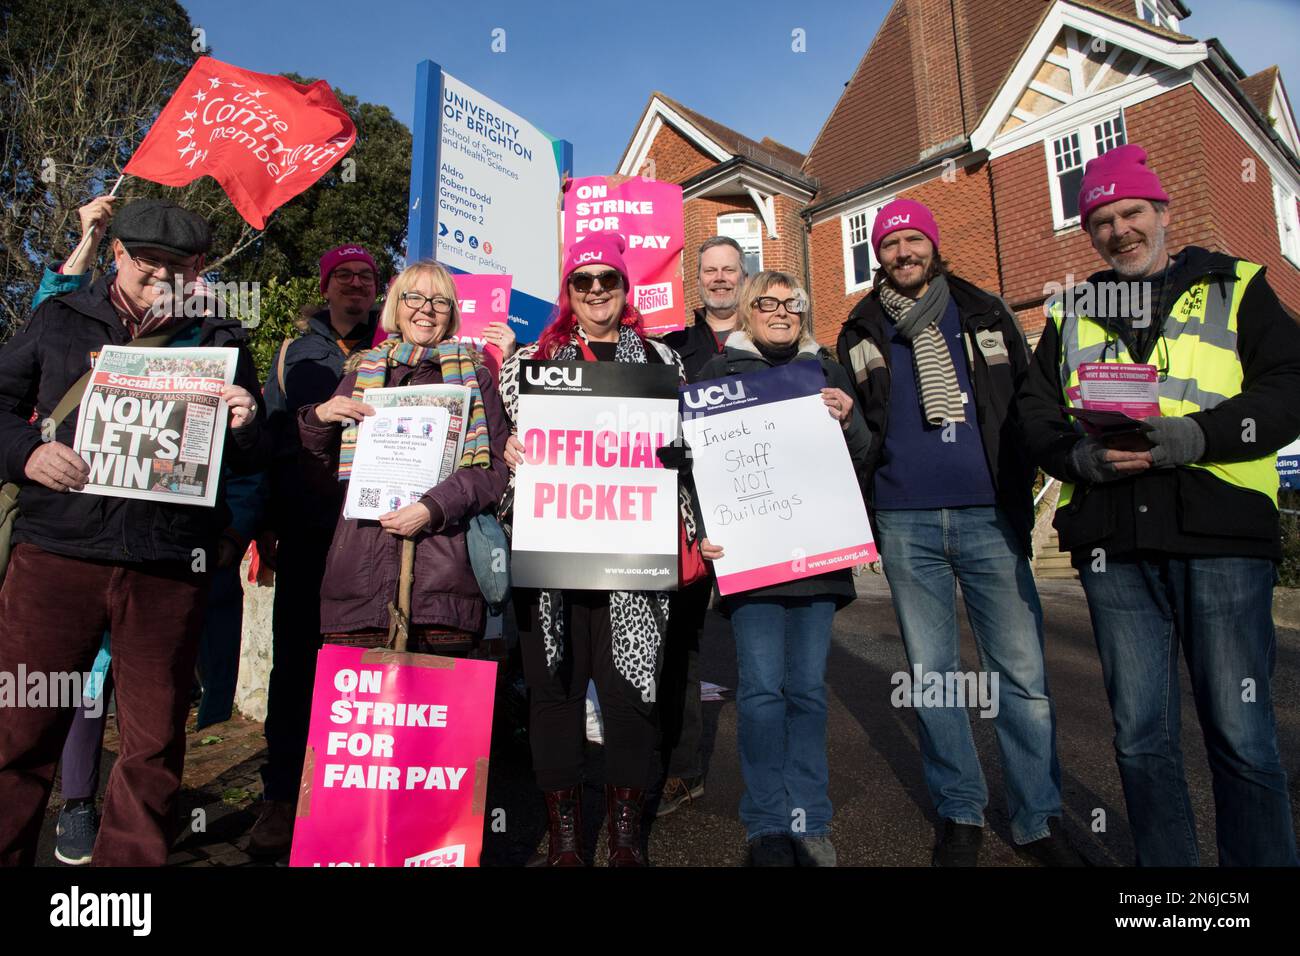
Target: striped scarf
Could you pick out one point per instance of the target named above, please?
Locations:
(917, 320)
(138, 320)
(457, 363)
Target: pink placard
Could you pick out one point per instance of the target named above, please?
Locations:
(1120, 387)
(397, 760)
(648, 214)
(481, 299)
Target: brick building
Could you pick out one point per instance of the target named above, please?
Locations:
(754, 191)
(993, 110)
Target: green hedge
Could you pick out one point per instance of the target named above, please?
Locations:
(281, 303)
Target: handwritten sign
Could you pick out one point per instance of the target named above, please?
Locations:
(397, 760)
(777, 488)
(594, 507)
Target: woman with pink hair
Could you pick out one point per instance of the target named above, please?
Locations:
(569, 637)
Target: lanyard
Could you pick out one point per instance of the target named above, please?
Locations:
(587, 353)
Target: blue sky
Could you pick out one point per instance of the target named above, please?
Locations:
(585, 71)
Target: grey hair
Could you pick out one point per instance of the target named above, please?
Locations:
(714, 241)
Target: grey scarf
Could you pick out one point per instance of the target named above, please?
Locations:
(917, 320)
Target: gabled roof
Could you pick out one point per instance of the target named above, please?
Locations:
(1259, 88)
(767, 152)
(875, 130)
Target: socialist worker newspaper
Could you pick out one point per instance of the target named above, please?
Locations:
(152, 424)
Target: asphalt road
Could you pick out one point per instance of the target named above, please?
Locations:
(883, 815)
(882, 812)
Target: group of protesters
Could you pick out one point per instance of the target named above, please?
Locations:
(945, 416)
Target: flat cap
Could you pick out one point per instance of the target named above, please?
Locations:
(162, 225)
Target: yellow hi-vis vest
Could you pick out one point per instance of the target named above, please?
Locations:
(1204, 369)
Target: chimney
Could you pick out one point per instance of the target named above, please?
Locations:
(933, 34)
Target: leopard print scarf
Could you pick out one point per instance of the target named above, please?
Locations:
(638, 619)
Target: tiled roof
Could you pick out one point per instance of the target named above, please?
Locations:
(768, 151)
(874, 131)
(1259, 88)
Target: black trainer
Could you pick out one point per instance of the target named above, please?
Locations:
(1054, 849)
(75, 834)
(773, 849)
(959, 845)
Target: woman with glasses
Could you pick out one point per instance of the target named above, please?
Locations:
(783, 632)
(361, 572)
(568, 638)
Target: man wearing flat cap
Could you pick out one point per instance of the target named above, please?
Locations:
(83, 564)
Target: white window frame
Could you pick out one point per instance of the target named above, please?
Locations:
(867, 216)
(747, 238)
(1087, 133)
(1165, 17)
(1286, 206)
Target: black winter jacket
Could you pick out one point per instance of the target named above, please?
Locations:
(1179, 510)
(739, 361)
(696, 344)
(37, 367)
(998, 360)
(313, 368)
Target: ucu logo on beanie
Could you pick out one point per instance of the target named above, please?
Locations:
(893, 221)
(589, 257)
(1097, 192)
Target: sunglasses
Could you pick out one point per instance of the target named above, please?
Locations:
(609, 280)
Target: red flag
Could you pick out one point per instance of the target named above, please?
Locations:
(263, 138)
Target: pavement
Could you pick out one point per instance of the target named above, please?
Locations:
(882, 813)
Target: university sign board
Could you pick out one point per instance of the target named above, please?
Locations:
(485, 187)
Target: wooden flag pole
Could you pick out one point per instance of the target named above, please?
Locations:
(399, 615)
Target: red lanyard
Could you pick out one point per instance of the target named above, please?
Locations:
(587, 353)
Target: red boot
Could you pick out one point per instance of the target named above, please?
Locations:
(564, 826)
(624, 804)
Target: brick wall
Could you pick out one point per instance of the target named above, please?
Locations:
(1243, 215)
(1199, 158)
(964, 213)
(676, 158)
(1033, 254)
(931, 33)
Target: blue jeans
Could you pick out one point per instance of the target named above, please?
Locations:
(1221, 611)
(781, 648)
(925, 554)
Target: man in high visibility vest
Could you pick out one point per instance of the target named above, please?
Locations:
(1173, 524)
